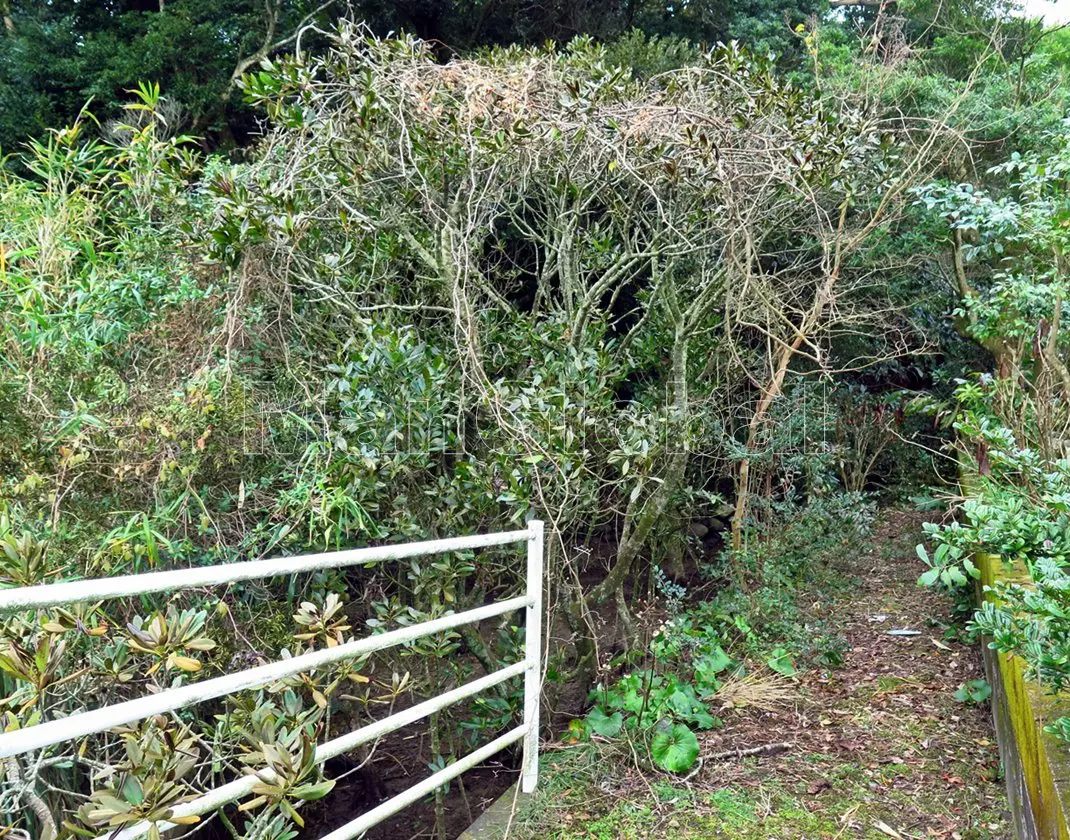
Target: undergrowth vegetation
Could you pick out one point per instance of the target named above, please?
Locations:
(1010, 245)
(700, 656)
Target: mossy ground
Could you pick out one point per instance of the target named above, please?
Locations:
(858, 804)
(880, 748)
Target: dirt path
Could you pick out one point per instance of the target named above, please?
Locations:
(880, 746)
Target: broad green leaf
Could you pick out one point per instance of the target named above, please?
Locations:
(929, 578)
(781, 662)
(314, 792)
(132, 791)
(674, 748)
(608, 726)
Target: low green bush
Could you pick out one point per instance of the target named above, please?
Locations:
(658, 707)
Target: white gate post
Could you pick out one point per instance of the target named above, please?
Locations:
(533, 658)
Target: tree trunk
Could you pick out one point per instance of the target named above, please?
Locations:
(641, 517)
(47, 823)
(998, 347)
(754, 427)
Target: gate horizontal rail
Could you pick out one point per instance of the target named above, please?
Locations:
(54, 732)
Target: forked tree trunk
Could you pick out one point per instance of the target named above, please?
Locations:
(643, 514)
(772, 390)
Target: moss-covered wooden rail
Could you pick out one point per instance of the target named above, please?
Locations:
(1037, 764)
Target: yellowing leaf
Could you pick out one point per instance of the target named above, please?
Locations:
(184, 663)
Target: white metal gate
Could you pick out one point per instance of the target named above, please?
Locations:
(86, 723)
